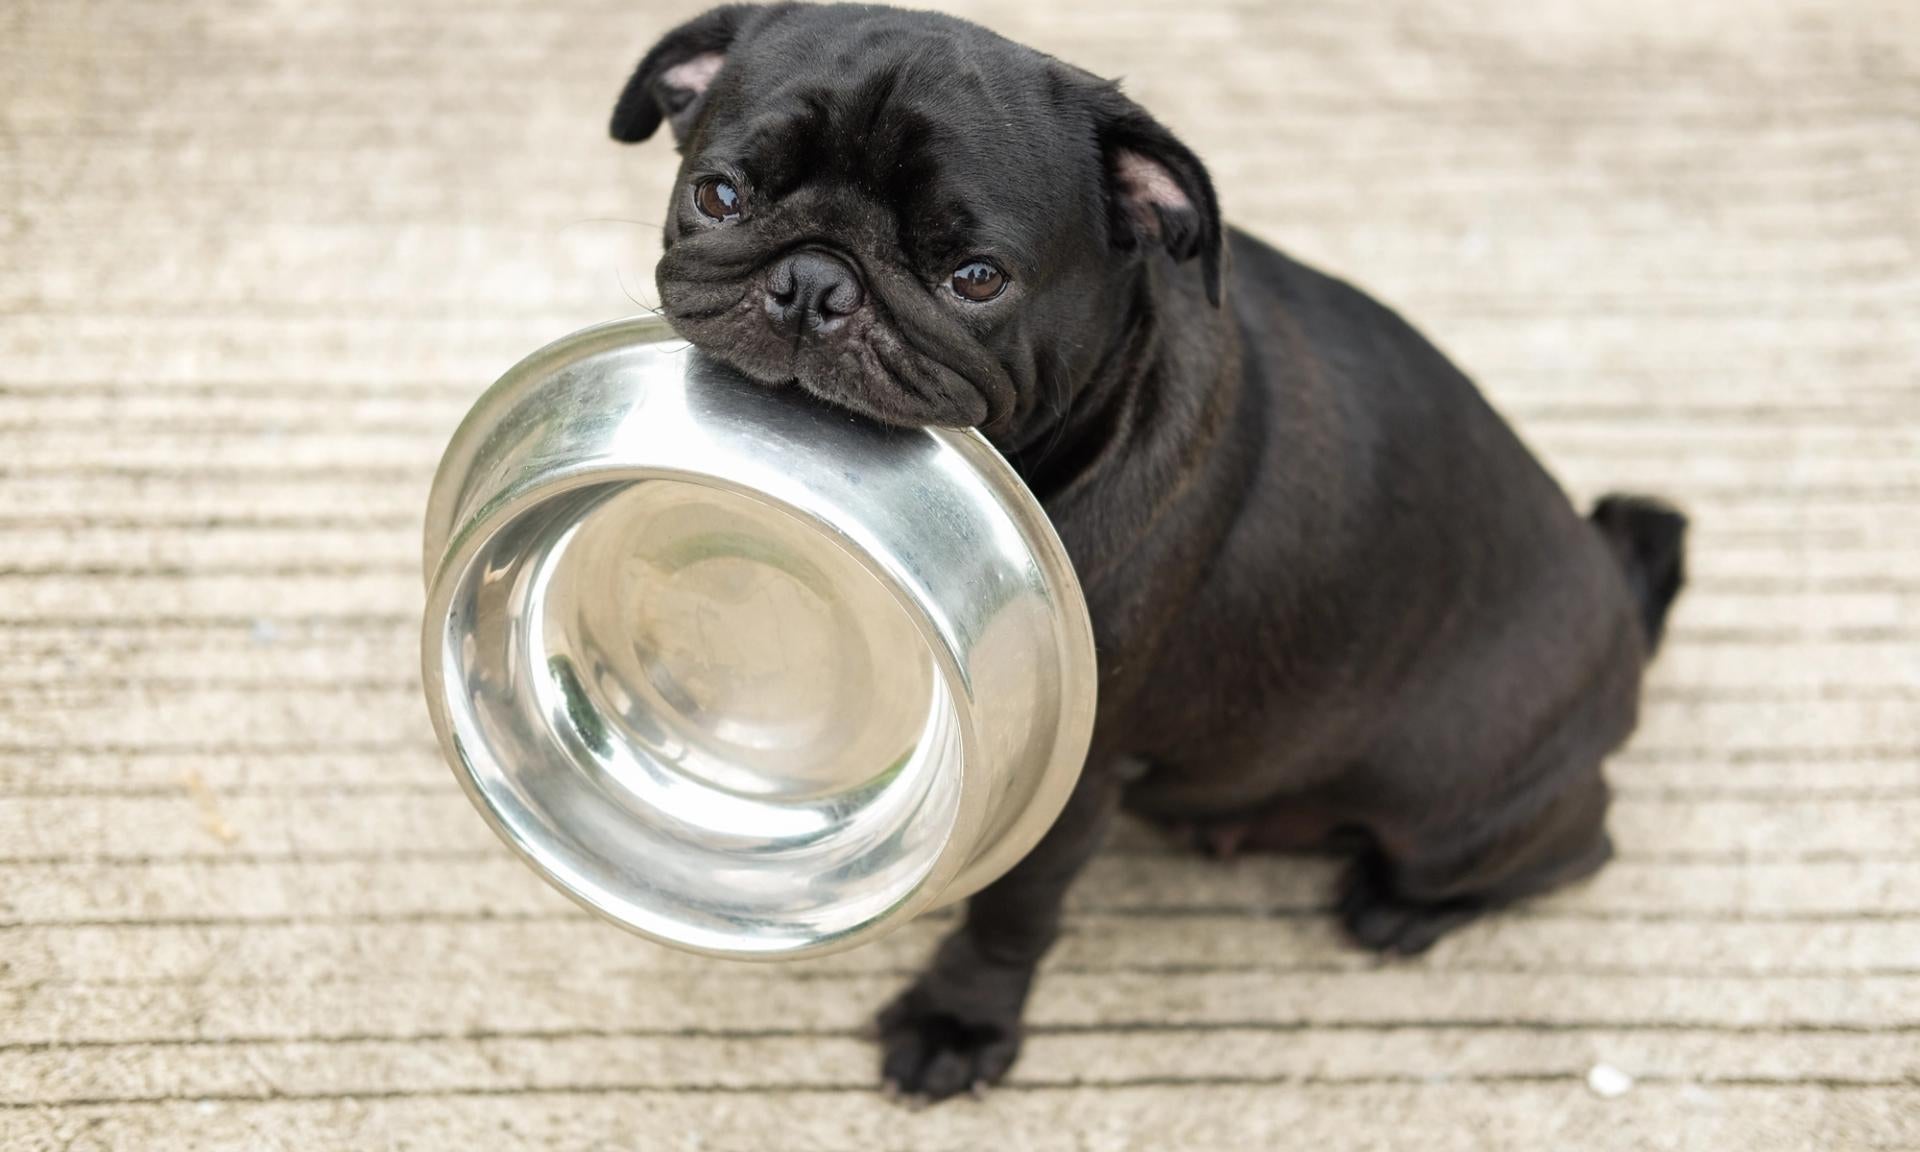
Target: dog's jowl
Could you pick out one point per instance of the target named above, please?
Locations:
(1337, 602)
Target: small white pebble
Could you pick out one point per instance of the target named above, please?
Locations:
(265, 631)
(206, 1107)
(1608, 1082)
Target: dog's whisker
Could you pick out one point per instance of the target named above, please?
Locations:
(1064, 405)
(650, 309)
(586, 220)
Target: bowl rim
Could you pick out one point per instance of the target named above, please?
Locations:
(526, 496)
(960, 866)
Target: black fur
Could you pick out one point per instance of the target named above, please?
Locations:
(1649, 536)
(646, 101)
(1336, 599)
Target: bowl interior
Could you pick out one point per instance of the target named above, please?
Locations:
(702, 715)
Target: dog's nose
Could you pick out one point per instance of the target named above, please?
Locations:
(812, 291)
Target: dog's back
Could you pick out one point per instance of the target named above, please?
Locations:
(1410, 630)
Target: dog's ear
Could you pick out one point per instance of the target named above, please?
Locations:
(674, 76)
(1158, 192)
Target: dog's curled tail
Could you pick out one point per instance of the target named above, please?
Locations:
(1649, 536)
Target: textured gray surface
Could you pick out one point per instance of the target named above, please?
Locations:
(256, 258)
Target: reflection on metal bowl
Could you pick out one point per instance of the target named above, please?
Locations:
(744, 674)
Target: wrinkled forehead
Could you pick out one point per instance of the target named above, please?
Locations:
(953, 128)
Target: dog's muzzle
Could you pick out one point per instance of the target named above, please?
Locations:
(812, 291)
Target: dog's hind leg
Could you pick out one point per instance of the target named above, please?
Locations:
(1412, 887)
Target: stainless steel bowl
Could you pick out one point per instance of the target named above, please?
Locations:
(743, 674)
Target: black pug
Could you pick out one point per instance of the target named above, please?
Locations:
(1335, 599)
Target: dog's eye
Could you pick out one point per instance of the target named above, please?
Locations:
(717, 199)
(979, 281)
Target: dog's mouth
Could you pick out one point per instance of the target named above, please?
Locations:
(864, 363)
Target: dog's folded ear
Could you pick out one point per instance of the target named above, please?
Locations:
(1158, 192)
(674, 76)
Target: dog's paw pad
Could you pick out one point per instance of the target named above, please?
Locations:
(928, 1055)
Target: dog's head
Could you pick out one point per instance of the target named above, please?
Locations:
(906, 215)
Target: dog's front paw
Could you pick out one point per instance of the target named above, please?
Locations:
(930, 1053)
